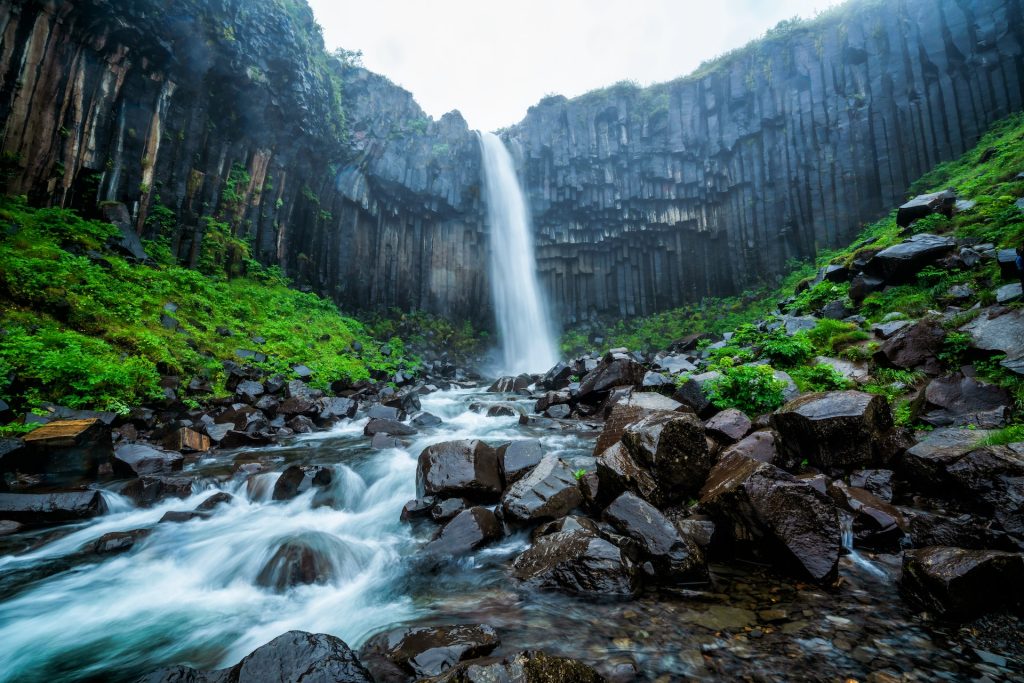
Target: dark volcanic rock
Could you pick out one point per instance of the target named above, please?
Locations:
(148, 490)
(618, 471)
(305, 558)
(529, 666)
(51, 508)
(430, 650)
(549, 491)
(915, 347)
(926, 204)
(510, 385)
(469, 530)
(73, 447)
(454, 469)
(835, 429)
(615, 370)
(577, 561)
(1000, 330)
(116, 542)
(957, 400)
(293, 656)
(389, 427)
(762, 446)
(962, 584)
(674, 448)
(728, 426)
(786, 520)
(446, 510)
(296, 480)
(876, 523)
(904, 261)
(675, 557)
(517, 458)
(418, 508)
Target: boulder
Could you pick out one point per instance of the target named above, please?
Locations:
(115, 542)
(876, 524)
(762, 446)
(877, 482)
(927, 528)
(675, 558)
(418, 508)
(182, 516)
(51, 508)
(548, 491)
(424, 651)
(73, 448)
(459, 469)
(382, 412)
(298, 405)
(1000, 330)
(614, 370)
(782, 519)
(300, 424)
(558, 412)
(504, 410)
(1008, 294)
(294, 656)
(956, 401)
(962, 584)
(219, 498)
(382, 442)
(902, 263)
(335, 408)
(916, 347)
(249, 391)
(446, 510)
(517, 458)
(617, 472)
(674, 448)
(302, 559)
(728, 426)
(149, 490)
(136, 460)
(389, 427)
(296, 480)
(510, 385)
(425, 420)
(578, 562)
(186, 440)
(925, 205)
(558, 377)
(627, 410)
(835, 429)
(691, 393)
(469, 530)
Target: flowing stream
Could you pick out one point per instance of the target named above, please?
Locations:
(524, 323)
(191, 593)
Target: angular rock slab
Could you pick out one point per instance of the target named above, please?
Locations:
(51, 508)
(617, 472)
(293, 656)
(835, 429)
(136, 460)
(459, 469)
(673, 446)
(962, 584)
(469, 530)
(549, 491)
(579, 562)
(425, 651)
(518, 458)
(787, 521)
(675, 558)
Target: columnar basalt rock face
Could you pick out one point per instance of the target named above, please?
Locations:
(643, 198)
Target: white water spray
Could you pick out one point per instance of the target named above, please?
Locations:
(524, 325)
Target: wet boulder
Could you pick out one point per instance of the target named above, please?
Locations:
(149, 490)
(943, 202)
(956, 400)
(382, 412)
(673, 447)
(876, 524)
(504, 410)
(296, 480)
(927, 528)
(418, 508)
(902, 262)
(425, 420)
(780, 518)
(962, 584)
(293, 656)
(762, 446)
(614, 370)
(211, 503)
(71, 448)
(675, 558)
(558, 377)
(51, 508)
(915, 347)
(1000, 330)
(336, 408)
(182, 516)
(517, 458)
(691, 393)
(470, 530)
(186, 440)
(877, 482)
(835, 429)
(446, 510)
(459, 469)
(115, 542)
(302, 559)
(577, 562)
(618, 471)
(390, 427)
(300, 424)
(548, 491)
(423, 651)
(728, 426)
(510, 385)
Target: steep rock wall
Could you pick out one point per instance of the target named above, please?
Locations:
(648, 198)
(231, 111)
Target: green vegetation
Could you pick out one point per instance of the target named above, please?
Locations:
(821, 377)
(1012, 434)
(750, 388)
(83, 327)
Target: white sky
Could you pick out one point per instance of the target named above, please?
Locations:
(492, 60)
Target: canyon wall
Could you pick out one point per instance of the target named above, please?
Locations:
(229, 115)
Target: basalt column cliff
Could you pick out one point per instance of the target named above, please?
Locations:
(229, 112)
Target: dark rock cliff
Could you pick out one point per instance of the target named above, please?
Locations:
(643, 198)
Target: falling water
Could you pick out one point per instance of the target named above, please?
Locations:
(846, 527)
(524, 325)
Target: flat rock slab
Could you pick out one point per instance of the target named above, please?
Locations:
(431, 650)
(51, 508)
(64, 433)
(962, 584)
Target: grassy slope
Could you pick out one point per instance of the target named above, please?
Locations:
(987, 175)
(86, 331)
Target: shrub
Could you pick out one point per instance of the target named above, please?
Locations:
(830, 336)
(821, 377)
(752, 389)
(785, 350)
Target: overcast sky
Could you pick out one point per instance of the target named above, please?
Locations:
(493, 60)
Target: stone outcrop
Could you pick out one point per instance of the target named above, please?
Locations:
(643, 199)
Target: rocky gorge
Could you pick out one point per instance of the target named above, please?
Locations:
(207, 474)
(233, 111)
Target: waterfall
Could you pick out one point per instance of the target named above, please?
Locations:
(524, 325)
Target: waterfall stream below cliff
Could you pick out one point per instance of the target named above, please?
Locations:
(524, 323)
(195, 593)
